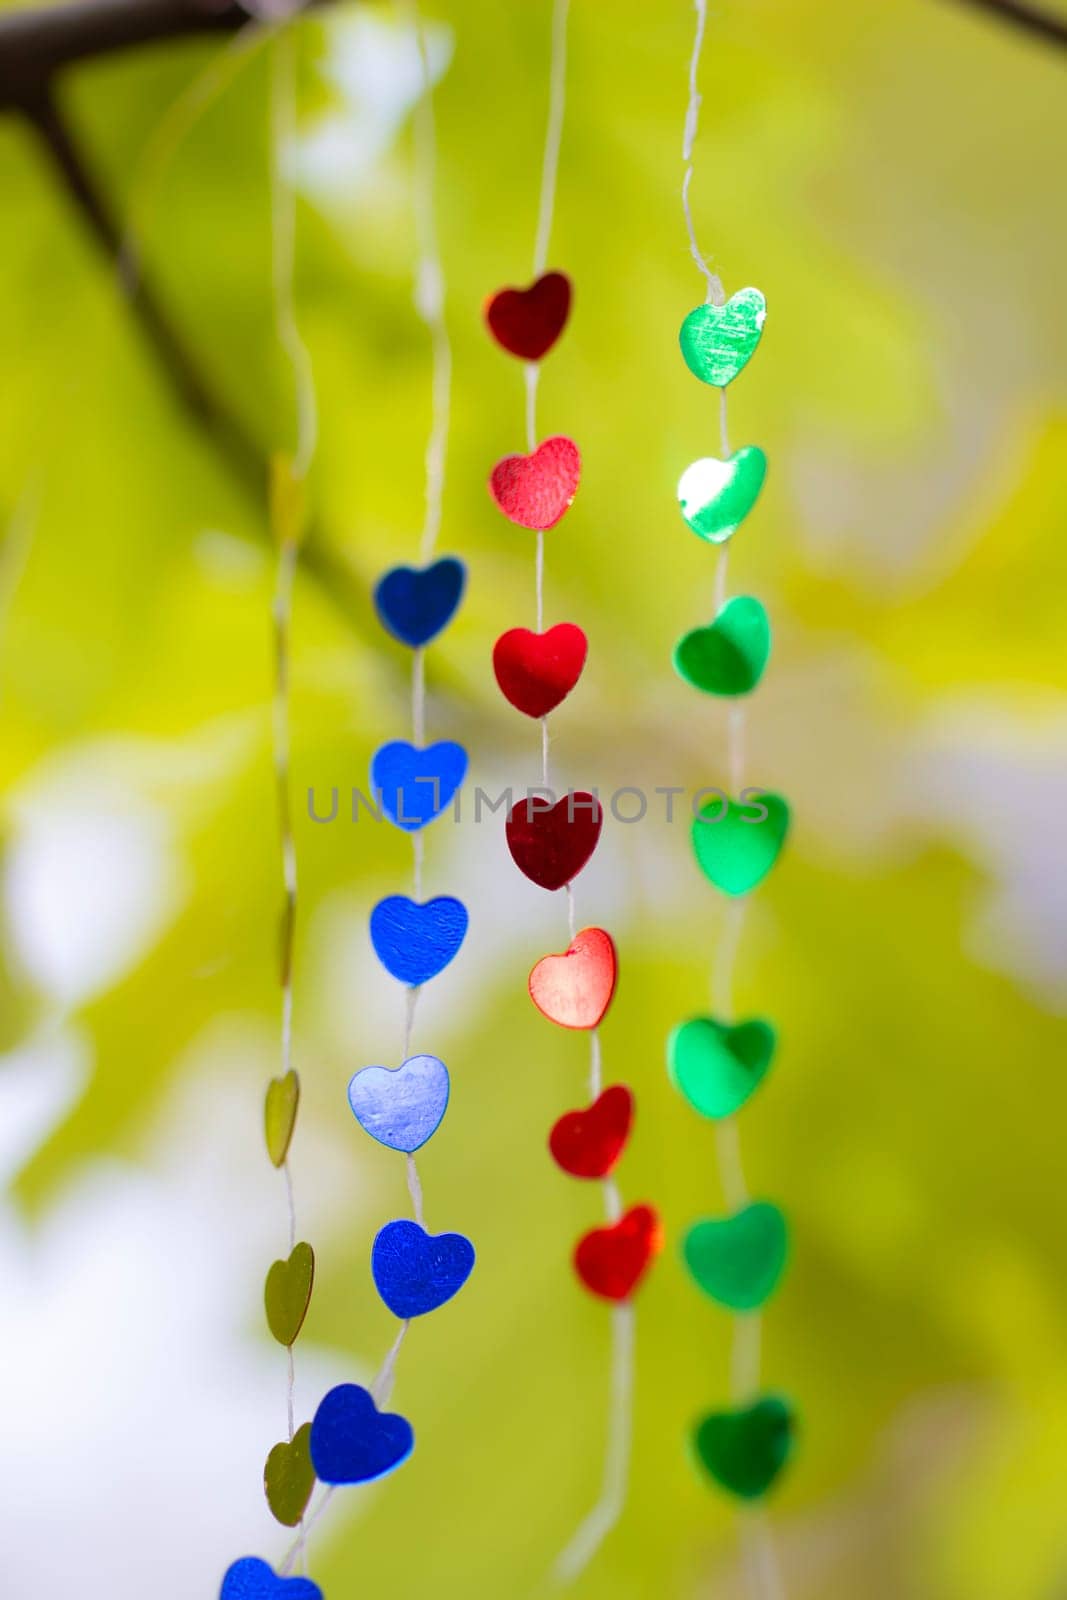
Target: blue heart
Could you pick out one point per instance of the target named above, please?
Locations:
(416, 785)
(415, 1271)
(251, 1579)
(415, 603)
(414, 943)
(353, 1442)
(401, 1108)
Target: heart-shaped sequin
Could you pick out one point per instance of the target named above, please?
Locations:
(536, 671)
(744, 1450)
(415, 603)
(611, 1261)
(716, 496)
(287, 1293)
(738, 1260)
(535, 490)
(252, 1579)
(401, 1107)
(415, 942)
(550, 844)
(415, 1271)
(588, 1143)
(717, 341)
(717, 1066)
(527, 322)
(289, 1477)
(737, 842)
(575, 989)
(283, 1100)
(728, 656)
(353, 1442)
(416, 785)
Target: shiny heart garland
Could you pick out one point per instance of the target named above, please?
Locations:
(415, 942)
(575, 989)
(287, 1293)
(403, 1106)
(717, 341)
(417, 785)
(415, 603)
(536, 490)
(745, 1449)
(550, 844)
(716, 496)
(612, 1260)
(415, 1271)
(728, 656)
(289, 1478)
(588, 1143)
(736, 849)
(527, 322)
(353, 1442)
(536, 671)
(252, 1579)
(739, 1260)
(716, 1066)
(283, 1101)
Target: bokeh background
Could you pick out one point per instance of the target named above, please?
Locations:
(891, 175)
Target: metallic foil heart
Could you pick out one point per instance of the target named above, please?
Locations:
(738, 1260)
(289, 1477)
(728, 656)
(353, 1442)
(287, 1293)
(535, 490)
(283, 1100)
(717, 341)
(401, 1107)
(745, 1450)
(575, 989)
(550, 844)
(536, 671)
(611, 1261)
(527, 322)
(716, 1066)
(716, 496)
(736, 843)
(588, 1143)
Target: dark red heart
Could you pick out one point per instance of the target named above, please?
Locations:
(612, 1261)
(536, 490)
(575, 988)
(550, 844)
(536, 671)
(588, 1143)
(527, 322)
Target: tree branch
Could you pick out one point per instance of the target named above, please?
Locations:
(35, 44)
(1020, 14)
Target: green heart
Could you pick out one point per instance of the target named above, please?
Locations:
(287, 1294)
(717, 341)
(735, 850)
(728, 656)
(717, 1067)
(289, 1477)
(738, 1260)
(716, 496)
(283, 1097)
(745, 1450)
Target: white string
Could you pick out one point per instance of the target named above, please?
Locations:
(608, 1509)
(692, 123)
(557, 96)
(430, 287)
(283, 253)
(382, 1387)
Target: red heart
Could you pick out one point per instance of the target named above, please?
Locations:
(536, 490)
(536, 671)
(527, 322)
(575, 989)
(611, 1261)
(588, 1143)
(550, 844)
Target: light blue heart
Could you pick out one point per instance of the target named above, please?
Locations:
(401, 1107)
(416, 785)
